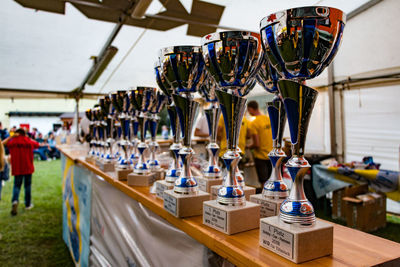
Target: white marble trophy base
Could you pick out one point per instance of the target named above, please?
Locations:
(141, 179)
(161, 186)
(294, 242)
(184, 205)
(105, 166)
(248, 191)
(269, 207)
(231, 219)
(205, 184)
(122, 174)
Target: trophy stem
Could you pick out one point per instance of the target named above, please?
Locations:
(212, 115)
(124, 162)
(141, 166)
(134, 140)
(153, 145)
(186, 108)
(174, 170)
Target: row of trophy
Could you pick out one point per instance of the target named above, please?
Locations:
(293, 45)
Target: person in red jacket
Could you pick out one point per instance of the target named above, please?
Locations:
(21, 150)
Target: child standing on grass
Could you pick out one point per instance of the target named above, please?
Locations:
(21, 150)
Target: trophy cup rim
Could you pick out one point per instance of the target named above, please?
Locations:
(165, 51)
(217, 36)
(275, 17)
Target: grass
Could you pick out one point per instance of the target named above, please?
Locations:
(34, 237)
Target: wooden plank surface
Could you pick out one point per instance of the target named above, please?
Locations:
(350, 247)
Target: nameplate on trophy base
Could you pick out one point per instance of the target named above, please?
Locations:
(294, 242)
(90, 160)
(105, 166)
(248, 191)
(141, 179)
(161, 186)
(183, 205)
(269, 207)
(231, 219)
(205, 184)
(122, 174)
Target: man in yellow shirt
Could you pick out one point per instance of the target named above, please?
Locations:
(263, 142)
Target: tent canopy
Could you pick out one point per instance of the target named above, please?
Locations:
(51, 50)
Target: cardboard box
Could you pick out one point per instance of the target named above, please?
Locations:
(366, 212)
(338, 205)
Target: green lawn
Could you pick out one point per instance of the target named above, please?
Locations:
(34, 237)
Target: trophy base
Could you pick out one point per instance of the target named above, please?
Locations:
(160, 174)
(205, 184)
(296, 243)
(122, 174)
(141, 179)
(184, 205)
(231, 219)
(269, 206)
(90, 160)
(248, 191)
(161, 186)
(105, 166)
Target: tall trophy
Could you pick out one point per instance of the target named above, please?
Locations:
(175, 167)
(106, 161)
(182, 67)
(156, 106)
(134, 129)
(231, 59)
(212, 173)
(275, 190)
(99, 131)
(299, 44)
(92, 133)
(141, 98)
(121, 104)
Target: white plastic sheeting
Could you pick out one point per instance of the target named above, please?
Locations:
(372, 125)
(125, 233)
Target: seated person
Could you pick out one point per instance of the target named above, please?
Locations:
(53, 151)
(43, 149)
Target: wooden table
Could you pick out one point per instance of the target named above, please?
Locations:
(350, 247)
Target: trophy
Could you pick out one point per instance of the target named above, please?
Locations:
(92, 134)
(133, 130)
(141, 98)
(182, 67)
(212, 172)
(231, 59)
(99, 131)
(105, 163)
(156, 106)
(299, 44)
(121, 104)
(174, 169)
(275, 190)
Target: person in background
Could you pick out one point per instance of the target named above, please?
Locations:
(43, 149)
(4, 172)
(165, 132)
(21, 150)
(34, 134)
(3, 132)
(261, 126)
(12, 130)
(201, 129)
(53, 151)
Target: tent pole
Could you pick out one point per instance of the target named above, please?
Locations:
(77, 117)
(332, 115)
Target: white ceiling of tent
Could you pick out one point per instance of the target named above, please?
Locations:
(48, 51)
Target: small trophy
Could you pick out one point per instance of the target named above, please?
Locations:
(231, 59)
(182, 67)
(120, 102)
(141, 98)
(275, 190)
(212, 174)
(175, 168)
(299, 44)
